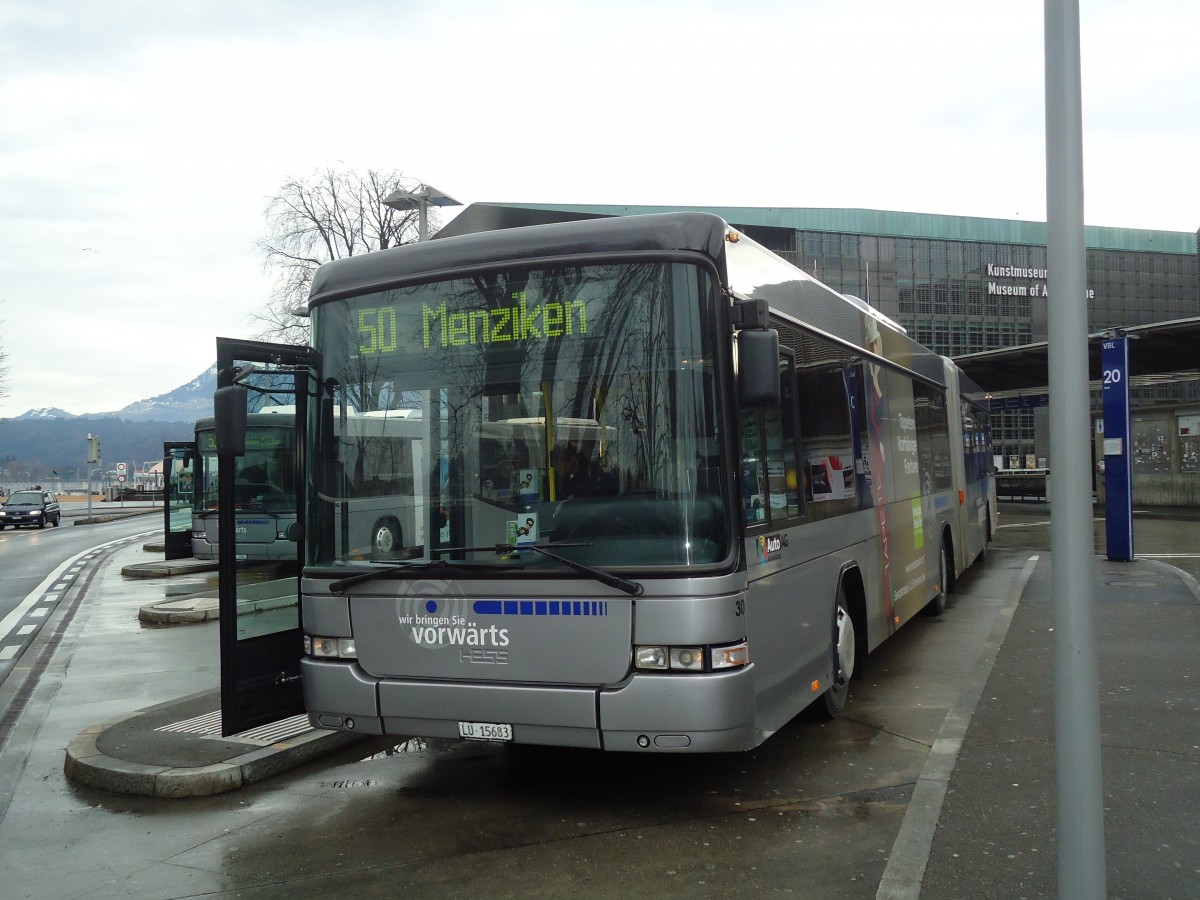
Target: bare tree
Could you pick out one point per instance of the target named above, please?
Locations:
(333, 214)
(4, 370)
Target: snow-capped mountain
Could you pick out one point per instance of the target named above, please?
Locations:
(186, 403)
(46, 412)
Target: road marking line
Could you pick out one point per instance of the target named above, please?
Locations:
(9, 622)
(38, 613)
(25, 629)
(51, 598)
(9, 652)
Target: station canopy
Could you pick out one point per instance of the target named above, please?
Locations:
(1161, 351)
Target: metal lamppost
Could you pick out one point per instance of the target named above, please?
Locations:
(420, 200)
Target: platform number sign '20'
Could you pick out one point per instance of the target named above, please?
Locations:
(1112, 375)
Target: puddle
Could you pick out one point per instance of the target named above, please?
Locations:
(417, 745)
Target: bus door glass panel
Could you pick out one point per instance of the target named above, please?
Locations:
(574, 405)
(179, 471)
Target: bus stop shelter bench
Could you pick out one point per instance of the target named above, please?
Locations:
(1032, 485)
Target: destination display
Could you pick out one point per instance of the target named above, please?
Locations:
(443, 327)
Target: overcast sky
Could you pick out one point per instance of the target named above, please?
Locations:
(140, 139)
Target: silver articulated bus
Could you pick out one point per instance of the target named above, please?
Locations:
(653, 488)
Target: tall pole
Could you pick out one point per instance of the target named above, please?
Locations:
(423, 218)
(1076, 672)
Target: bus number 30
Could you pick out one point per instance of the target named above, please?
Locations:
(377, 330)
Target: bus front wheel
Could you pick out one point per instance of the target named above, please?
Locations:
(844, 647)
(385, 539)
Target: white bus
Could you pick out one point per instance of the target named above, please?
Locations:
(372, 485)
(670, 490)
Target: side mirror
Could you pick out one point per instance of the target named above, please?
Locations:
(229, 410)
(758, 367)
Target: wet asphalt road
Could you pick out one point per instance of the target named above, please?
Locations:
(813, 812)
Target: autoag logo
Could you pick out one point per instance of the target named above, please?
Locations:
(435, 616)
(769, 546)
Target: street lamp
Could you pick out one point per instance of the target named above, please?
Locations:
(420, 200)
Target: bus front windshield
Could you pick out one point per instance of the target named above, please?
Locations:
(264, 477)
(573, 408)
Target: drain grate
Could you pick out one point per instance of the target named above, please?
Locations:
(209, 726)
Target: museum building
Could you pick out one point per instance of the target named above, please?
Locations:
(959, 284)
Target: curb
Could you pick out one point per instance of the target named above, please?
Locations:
(86, 765)
(187, 611)
(168, 568)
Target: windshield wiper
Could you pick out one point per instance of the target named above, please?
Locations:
(622, 584)
(616, 581)
(341, 584)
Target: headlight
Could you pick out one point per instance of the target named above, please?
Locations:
(330, 647)
(652, 657)
(690, 659)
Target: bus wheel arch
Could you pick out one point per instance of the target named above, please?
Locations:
(848, 643)
(386, 538)
(945, 574)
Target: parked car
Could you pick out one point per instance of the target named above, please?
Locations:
(30, 508)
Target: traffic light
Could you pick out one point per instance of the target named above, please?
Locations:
(93, 448)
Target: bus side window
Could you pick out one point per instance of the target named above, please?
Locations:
(828, 451)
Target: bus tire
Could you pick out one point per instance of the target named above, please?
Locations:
(386, 539)
(937, 605)
(844, 651)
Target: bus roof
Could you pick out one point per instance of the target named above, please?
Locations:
(665, 232)
(751, 270)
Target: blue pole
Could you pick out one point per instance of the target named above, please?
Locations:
(1118, 456)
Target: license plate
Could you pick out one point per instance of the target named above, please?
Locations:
(485, 731)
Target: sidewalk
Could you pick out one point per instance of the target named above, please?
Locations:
(996, 830)
(159, 734)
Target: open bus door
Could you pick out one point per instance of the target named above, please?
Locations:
(179, 478)
(261, 638)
